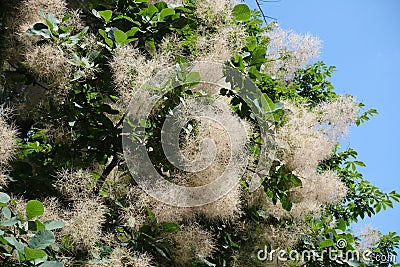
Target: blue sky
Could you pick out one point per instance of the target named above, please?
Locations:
(362, 39)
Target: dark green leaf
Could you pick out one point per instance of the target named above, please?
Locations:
(35, 226)
(170, 227)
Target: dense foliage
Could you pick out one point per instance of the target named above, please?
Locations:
(69, 71)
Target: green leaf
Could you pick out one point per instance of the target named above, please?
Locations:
(52, 225)
(170, 227)
(166, 12)
(4, 198)
(258, 56)
(151, 10)
(34, 208)
(42, 239)
(33, 254)
(51, 264)
(120, 37)
(66, 17)
(40, 29)
(286, 203)
(326, 243)
(341, 224)
(9, 222)
(251, 43)
(35, 226)
(15, 243)
(151, 215)
(106, 15)
(193, 78)
(109, 42)
(6, 212)
(294, 181)
(132, 31)
(241, 12)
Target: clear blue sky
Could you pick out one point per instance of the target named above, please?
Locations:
(362, 39)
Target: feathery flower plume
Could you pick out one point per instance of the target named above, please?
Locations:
(131, 69)
(121, 257)
(213, 12)
(75, 184)
(8, 144)
(84, 223)
(288, 51)
(49, 64)
(192, 242)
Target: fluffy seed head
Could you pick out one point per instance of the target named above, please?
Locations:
(220, 45)
(131, 69)
(337, 116)
(85, 223)
(8, 144)
(302, 145)
(192, 242)
(49, 64)
(288, 51)
(121, 257)
(369, 238)
(213, 12)
(75, 184)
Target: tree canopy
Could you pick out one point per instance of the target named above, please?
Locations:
(98, 97)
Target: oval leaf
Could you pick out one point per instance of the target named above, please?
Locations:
(34, 208)
(326, 243)
(42, 239)
(241, 12)
(120, 37)
(166, 12)
(4, 198)
(33, 254)
(51, 264)
(106, 15)
(52, 225)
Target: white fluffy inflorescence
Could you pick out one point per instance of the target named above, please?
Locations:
(84, 223)
(49, 64)
(304, 141)
(309, 136)
(288, 51)
(368, 238)
(131, 69)
(192, 242)
(8, 144)
(212, 12)
(121, 256)
(75, 185)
